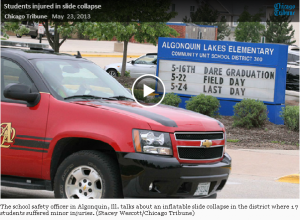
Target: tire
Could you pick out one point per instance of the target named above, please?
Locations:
(88, 175)
(112, 72)
(33, 37)
(18, 36)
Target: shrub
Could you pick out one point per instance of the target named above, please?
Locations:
(290, 116)
(171, 99)
(250, 113)
(127, 73)
(207, 105)
(139, 95)
(155, 99)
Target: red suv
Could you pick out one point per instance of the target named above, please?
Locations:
(68, 126)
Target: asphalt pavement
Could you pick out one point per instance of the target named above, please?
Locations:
(254, 175)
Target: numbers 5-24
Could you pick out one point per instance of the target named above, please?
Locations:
(179, 86)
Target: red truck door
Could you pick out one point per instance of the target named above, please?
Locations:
(22, 128)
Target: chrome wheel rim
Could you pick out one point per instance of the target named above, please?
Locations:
(112, 73)
(83, 182)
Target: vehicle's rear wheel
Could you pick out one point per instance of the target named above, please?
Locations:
(87, 175)
(112, 72)
(18, 36)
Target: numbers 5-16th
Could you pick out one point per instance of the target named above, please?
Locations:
(180, 77)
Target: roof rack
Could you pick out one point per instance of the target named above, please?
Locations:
(32, 46)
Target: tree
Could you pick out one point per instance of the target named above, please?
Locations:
(15, 27)
(62, 26)
(205, 15)
(223, 29)
(61, 29)
(278, 30)
(249, 28)
(124, 31)
(64, 29)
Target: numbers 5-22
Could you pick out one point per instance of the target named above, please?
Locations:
(180, 77)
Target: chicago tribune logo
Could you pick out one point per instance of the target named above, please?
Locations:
(7, 135)
(282, 9)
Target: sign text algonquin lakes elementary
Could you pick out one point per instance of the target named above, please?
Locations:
(230, 71)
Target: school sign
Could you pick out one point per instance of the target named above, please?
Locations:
(230, 71)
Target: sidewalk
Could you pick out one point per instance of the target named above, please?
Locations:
(92, 48)
(271, 164)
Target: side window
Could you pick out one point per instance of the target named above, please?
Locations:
(30, 23)
(290, 58)
(12, 73)
(148, 60)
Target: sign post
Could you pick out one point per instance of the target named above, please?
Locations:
(230, 71)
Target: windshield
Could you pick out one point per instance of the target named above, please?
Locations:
(68, 78)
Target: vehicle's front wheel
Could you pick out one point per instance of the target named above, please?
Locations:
(88, 175)
(112, 72)
(34, 36)
(213, 196)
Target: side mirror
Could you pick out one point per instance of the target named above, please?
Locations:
(22, 92)
(132, 62)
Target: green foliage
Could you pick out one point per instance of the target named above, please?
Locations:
(233, 140)
(249, 28)
(250, 113)
(139, 95)
(207, 105)
(278, 30)
(65, 29)
(223, 29)
(290, 115)
(171, 99)
(127, 74)
(124, 31)
(150, 14)
(155, 99)
(205, 15)
(15, 27)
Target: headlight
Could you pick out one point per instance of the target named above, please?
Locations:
(152, 142)
(225, 140)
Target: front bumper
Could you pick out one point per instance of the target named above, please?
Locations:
(170, 178)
